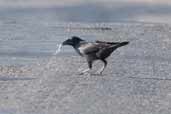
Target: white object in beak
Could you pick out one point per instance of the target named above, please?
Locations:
(58, 49)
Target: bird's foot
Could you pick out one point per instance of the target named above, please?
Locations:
(90, 74)
(98, 73)
(85, 71)
(81, 73)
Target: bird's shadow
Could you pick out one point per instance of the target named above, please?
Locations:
(91, 74)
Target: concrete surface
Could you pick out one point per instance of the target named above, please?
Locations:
(136, 81)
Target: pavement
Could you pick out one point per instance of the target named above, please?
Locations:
(137, 79)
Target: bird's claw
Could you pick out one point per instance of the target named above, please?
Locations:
(81, 73)
(99, 72)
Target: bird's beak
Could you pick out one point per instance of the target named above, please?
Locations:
(67, 42)
(64, 43)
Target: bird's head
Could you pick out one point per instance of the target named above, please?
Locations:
(73, 41)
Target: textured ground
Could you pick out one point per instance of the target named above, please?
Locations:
(136, 81)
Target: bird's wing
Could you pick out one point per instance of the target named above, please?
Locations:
(89, 48)
(108, 48)
(107, 43)
(95, 47)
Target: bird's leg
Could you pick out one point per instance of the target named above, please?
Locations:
(89, 68)
(104, 66)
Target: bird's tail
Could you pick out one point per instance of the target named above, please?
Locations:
(121, 44)
(113, 43)
(108, 50)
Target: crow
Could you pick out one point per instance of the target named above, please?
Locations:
(98, 50)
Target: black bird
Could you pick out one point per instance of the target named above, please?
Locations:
(98, 50)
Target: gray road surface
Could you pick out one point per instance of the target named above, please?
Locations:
(136, 81)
